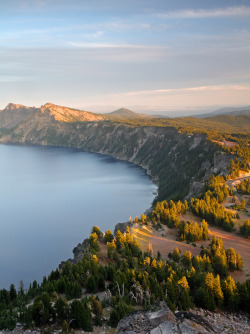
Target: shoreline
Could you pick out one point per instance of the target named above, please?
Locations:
(111, 159)
(145, 168)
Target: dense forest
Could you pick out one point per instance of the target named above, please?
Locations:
(207, 206)
(130, 278)
(216, 127)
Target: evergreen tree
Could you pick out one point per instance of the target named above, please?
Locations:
(61, 309)
(96, 229)
(13, 293)
(108, 237)
(80, 316)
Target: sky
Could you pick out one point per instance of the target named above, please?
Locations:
(148, 56)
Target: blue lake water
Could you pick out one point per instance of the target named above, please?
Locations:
(51, 197)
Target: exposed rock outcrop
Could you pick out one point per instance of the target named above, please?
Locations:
(83, 247)
(78, 252)
(122, 227)
(163, 321)
(64, 114)
(144, 322)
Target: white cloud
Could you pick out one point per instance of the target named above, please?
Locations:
(210, 13)
(183, 98)
(116, 46)
(182, 90)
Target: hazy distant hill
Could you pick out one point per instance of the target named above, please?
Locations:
(124, 113)
(240, 121)
(240, 113)
(226, 111)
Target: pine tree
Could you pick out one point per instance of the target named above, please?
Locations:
(231, 259)
(186, 259)
(108, 237)
(80, 316)
(239, 262)
(218, 294)
(13, 293)
(61, 308)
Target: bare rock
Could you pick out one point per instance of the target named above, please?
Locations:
(144, 322)
(121, 227)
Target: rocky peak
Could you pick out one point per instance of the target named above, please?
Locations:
(12, 106)
(65, 114)
(49, 105)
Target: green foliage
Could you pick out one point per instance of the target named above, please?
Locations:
(91, 285)
(94, 243)
(134, 279)
(244, 187)
(13, 293)
(209, 207)
(245, 229)
(96, 308)
(96, 229)
(213, 126)
(61, 310)
(108, 236)
(42, 310)
(120, 311)
(191, 231)
(167, 213)
(65, 327)
(80, 315)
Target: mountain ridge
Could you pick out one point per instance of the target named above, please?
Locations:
(171, 157)
(234, 111)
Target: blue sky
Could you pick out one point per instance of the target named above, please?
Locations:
(144, 55)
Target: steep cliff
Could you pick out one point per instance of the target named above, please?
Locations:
(173, 159)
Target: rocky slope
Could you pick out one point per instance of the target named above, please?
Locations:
(163, 321)
(173, 159)
(64, 114)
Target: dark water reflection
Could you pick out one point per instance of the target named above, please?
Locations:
(51, 197)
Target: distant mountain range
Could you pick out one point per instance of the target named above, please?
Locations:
(124, 113)
(65, 114)
(233, 111)
(14, 113)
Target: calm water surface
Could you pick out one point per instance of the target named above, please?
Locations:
(51, 197)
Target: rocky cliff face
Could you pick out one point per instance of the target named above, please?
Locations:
(173, 159)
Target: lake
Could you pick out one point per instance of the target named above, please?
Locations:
(51, 197)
